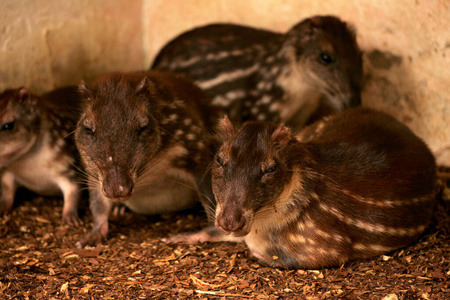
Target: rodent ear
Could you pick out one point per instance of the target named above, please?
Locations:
(86, 90)
(225, 128)
(145, 86)
(302, 33)
(24, 95)
(315, 22)
(281, 136)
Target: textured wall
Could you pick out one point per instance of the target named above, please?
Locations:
(406, 45)
(49, 43)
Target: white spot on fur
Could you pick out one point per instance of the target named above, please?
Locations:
(275, 70)
(191, 137)
(371, 247)
(228, 98)
(181, 63)
(270, 59)
(172, 118)
(254, 110)
(274, 107)
(370, 227)
(227, 77)
(195, 129)
(262, 117)
(266, 99)
(201, 145)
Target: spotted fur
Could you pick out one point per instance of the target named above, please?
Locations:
(37, 148)
(145, 141)
(363, 185)
(310, 71)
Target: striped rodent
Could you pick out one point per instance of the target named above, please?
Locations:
(37, 147)
(145, 142)
(355, 185)
(310, 71)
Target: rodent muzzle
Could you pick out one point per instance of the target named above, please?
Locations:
(235, 223)
(118, 187)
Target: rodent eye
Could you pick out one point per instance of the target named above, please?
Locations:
(142, 130)
(325, 58)
(271, 169)
(8, 126)
(88, 130)
(219, 160)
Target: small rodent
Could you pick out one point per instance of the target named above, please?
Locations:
(356, 185)
(38, 150)
(144, 140)
(312, 70)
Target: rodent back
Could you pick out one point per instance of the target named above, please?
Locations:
(371, 152)
(194, 51)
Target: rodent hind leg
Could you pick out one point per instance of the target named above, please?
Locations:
(100, 208)
(208, 234)
(7, 191)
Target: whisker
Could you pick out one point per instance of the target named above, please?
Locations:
(69, 134)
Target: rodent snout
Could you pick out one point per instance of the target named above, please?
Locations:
(234, 223)
(117, 186)
(120, 192)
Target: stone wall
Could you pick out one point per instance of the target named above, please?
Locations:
(51, 43)
(406, 44)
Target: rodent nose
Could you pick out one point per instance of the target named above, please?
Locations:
(117, 191)
(117, 186)
(231, 222)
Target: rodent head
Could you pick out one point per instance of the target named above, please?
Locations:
(250, 173)
(19, 124)
(327, 55)
(118, 134)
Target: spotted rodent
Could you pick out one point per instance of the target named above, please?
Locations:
(312, 70)
(357, 184)
(37, 148)
(144, 141)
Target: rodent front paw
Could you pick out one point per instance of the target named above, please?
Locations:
(5, 208)
(72, 219)
(117, 211)
(93, 239)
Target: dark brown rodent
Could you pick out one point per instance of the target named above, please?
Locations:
(144, 141)
(312, 70)
(357, 184)
(37, 148)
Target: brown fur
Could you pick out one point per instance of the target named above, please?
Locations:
(363, 185)
(312, 70)
(37, 149)
(144, 140)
